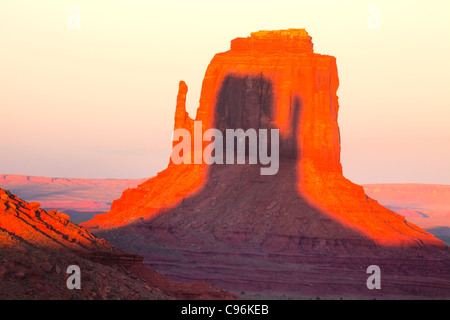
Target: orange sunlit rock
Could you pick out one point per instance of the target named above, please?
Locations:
(305, 231)
(37, 247)
(35, 226)
(273, 79)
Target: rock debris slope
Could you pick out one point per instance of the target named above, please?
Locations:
(37, 247)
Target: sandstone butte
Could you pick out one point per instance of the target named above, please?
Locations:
(305, 231)
(37, 247)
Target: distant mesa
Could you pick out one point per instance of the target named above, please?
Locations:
(426, 205)
(68, 194)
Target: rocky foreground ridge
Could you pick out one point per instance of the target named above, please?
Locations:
(306, 231)
(37, 247)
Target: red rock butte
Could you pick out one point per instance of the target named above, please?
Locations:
(219, 214)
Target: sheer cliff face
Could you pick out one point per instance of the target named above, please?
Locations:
(273, 79)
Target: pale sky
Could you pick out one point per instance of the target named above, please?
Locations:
(99, 101)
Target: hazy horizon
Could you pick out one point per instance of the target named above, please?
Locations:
(99, 101)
